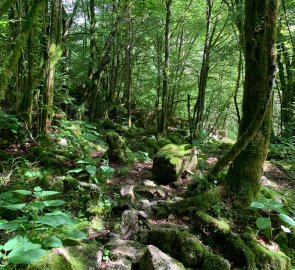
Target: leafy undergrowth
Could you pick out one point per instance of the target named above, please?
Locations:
(62, 190)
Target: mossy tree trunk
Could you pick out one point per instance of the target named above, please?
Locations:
(165, 89)
(243, 177)
(54, 53)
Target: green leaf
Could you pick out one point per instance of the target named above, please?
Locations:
(52, 242)
(77, 170)
(82, 162)
(33, 174)
(17, 206)
(287, 219)
(22, 192)
(6, 195)
(13, 243)
(75, 234)
(37, 189)
(48, 193)
(91, 169)
(263, 223)
(54, 203)
(55, 220)
(38, 205)
(257, 205)
(107, 169)
(26, 257)
(10, 226)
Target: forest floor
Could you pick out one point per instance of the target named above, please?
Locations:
(124, 219)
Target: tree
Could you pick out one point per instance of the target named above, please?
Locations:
(250, 151)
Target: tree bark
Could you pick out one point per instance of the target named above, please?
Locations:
(163, 122)
(250, 151)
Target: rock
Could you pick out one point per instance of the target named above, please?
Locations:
(145, 203)
(244, 250)
(108, 124)
(121, 264)
(149, 183)
(118, 150)
(185, 247)
(120, 249)
(128, 191)
(150, 191)
(172, 160)
(129, 224)
(82, 257)
(155, 259)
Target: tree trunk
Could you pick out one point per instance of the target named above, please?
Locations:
(163, 122)
(243, 177)
(54, 51)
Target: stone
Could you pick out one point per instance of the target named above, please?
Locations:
(128, 249)
(185, 246)
(129, 224)
(118, 150)
(150, 191)
(149, 183)
(128, 191)
(121, 264)
(155, 259)
(172, 161)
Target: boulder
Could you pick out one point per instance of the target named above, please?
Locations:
(155, 259)
(186, 247)
(118, 150)
(129, 224)
(242, 249)
(121, 264)
(125, 249)
(172, 160)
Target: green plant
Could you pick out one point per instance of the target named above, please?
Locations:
(273, 209)
(97, 174)
(35, 226)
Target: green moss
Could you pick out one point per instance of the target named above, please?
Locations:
(267, 259)
(215, 262)
(219, 225)
(287, 244)
(233, 246)
(204, 201)
(56, 262)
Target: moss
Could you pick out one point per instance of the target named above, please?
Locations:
(215, 262)
(118, 150)
(171, 161)
(233, 246)
(57, 262)
(287, 244)
(203, 201)
(267, 259)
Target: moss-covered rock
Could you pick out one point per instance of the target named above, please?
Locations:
(108, 124)
(172, 160)
(286, 242)
(118, 150)
(185, 247)
(125, 249)
(75, 258)
(176, 138)
(244, 250)
(155, 259)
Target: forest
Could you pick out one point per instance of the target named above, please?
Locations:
(147, 134)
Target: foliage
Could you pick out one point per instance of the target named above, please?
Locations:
(274, 210)
(34, 229)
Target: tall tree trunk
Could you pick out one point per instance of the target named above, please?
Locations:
(199, 108)
(163, 122)
(54, 51)
(243, 177)
(128, 55)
